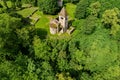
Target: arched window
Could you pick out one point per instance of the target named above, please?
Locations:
(61, 17)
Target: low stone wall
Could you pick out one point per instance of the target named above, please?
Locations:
(70, 30)
(32, 13)
(35, 20)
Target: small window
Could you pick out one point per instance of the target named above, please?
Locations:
(61, 17)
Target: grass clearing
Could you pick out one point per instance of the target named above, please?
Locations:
(27, 12)
(42, 25)
(44, 21)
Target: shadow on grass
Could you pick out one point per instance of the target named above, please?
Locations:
(42, 33)
(70, 22)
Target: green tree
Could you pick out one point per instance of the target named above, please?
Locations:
(5, 3)
(64, 76)
(48, 6)
(8, 37)
(19, 3)
(46, 72)
(40, 48)
(77, 59)
(94, 8)
(110, 19)
(72, 1)
(25, 35)
(98, 57)
(89, 25)
(13, 4)
(30, 73)
(81, 9)
(32, 2)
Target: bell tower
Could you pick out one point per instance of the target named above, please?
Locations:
(63, 19)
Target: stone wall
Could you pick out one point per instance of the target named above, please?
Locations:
(53, 30)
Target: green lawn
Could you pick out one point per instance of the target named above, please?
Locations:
(26, 12)
(43, 22)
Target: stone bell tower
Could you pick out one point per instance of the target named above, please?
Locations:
(63, 19)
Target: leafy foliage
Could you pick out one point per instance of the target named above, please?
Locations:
(91, 52)
(81, 9)
(48, 6)
(89, 25)
(8, 35)
(94, 8)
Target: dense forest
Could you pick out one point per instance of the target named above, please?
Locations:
(29, 52)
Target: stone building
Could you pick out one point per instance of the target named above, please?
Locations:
(60, 3)
(60, 24)
(54, 26)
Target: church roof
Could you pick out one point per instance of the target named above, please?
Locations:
(63, 12)
(54, 23)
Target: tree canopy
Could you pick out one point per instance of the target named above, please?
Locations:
(48, 6)
(29, 52)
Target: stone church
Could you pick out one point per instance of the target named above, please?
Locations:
(59, 24)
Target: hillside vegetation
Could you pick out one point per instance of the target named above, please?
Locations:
(29, 52)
